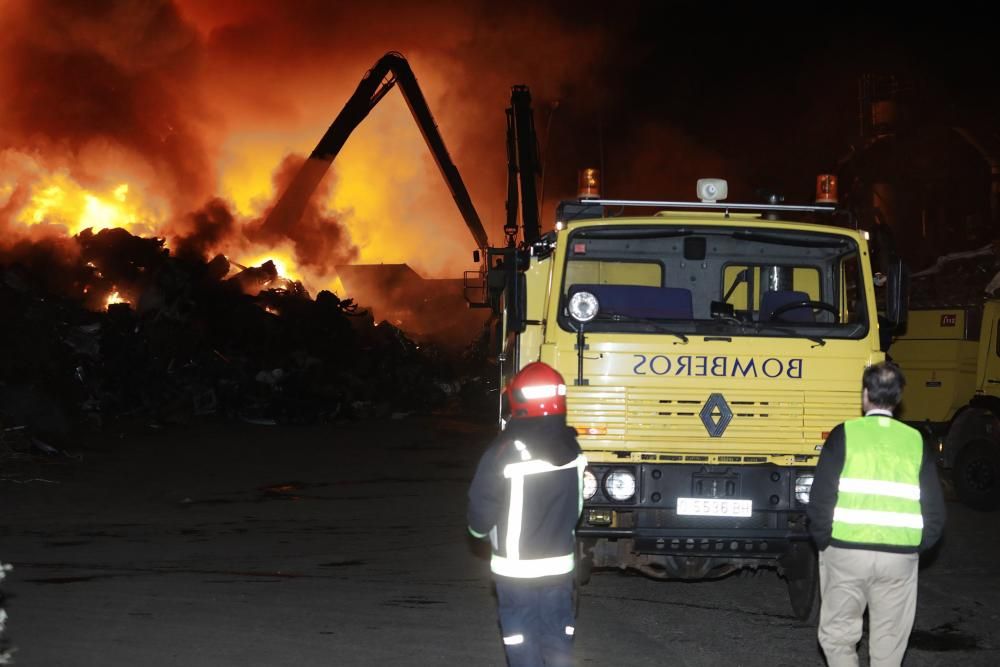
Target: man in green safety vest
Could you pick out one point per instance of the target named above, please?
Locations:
(875, 504)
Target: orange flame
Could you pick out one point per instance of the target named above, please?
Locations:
(113, 298)
(282, 260)
(57, 199)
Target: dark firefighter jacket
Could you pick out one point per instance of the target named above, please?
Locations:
(527, 496)
(823, 499)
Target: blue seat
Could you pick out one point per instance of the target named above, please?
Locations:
(771, 301)
(641, 301)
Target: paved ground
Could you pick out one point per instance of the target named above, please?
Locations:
(251, 545)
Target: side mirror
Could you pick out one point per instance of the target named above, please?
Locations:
(897, 303)
(475, 256)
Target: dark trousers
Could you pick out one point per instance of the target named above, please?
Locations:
(536, 617)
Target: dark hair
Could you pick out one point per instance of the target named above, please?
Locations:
(884, 383)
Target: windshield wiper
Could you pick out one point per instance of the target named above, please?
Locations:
(760, 326)
(757, 327)
(656, 325)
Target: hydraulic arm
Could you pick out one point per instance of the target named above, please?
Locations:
(522, 168)
(390, 70)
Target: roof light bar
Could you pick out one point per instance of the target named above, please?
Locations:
(710, 205)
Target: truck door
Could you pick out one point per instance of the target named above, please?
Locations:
(991, 349)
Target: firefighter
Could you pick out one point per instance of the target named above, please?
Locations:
(875, 504)
(527, 496)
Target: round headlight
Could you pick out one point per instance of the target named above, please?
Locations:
(620, 484)
(589, 485)
(583, 306)
(803, 486)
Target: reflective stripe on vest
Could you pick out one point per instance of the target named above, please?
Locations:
(878, 498)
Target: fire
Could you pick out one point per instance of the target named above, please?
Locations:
(282, 260)
(57, 199)
(113, 298)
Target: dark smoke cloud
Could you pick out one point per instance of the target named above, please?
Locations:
(48, 265)
(320, 241)
(85, 77)
(206, 230)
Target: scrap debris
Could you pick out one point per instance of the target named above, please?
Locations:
(184, 338)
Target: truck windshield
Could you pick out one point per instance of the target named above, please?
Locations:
(734, 281)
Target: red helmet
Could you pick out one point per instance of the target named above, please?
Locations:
(536, 391)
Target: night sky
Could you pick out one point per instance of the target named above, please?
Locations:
(773, 93)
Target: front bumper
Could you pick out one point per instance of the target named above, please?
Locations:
(646, 530)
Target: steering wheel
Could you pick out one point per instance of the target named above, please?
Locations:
(818, 305)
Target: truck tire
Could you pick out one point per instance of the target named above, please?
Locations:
(977, 475)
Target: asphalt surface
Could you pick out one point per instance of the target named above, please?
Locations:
(345, 545)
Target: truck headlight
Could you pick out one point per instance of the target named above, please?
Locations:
(620, 484)
(583, 306)
(803, 485)
(589, 485)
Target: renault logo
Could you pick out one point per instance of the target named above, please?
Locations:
(716, 415)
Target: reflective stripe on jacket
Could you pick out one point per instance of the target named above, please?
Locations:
(878, 496)
(532, 480)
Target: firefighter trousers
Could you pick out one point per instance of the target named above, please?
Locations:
(850, 580)
(536, 618)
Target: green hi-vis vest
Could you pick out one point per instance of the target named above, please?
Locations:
(878, 500)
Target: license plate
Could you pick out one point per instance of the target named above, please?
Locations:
(714, 507)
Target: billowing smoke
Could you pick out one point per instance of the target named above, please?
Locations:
(319, 240)
(184, 119)
(109, 89)
(205, 231)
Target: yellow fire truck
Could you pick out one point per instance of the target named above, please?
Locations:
(951, 357)
(709, 348)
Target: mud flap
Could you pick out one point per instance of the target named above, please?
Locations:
(800, 567)
(584, 562)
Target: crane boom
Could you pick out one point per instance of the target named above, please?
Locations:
(523, 167)
(390, 70)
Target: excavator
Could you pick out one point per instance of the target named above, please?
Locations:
(497, 272)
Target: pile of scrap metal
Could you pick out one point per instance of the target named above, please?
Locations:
(190, 341)
(958, 279)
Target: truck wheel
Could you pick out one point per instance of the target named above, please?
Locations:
(977, 475)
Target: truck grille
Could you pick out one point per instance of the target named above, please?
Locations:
(671, 418)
